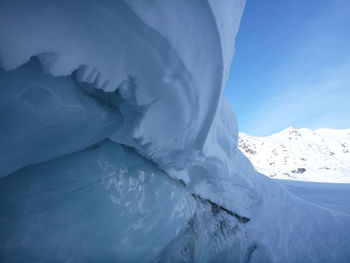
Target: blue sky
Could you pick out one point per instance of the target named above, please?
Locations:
(291, 66)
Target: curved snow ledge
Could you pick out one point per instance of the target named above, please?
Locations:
(168, 74)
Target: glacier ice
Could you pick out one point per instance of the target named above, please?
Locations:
(107, 203)
(131, 49)
(44, 117)
(89, 205)
(117, 144)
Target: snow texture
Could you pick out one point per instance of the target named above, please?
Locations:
(117, 144)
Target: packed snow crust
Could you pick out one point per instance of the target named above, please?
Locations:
(118, 144)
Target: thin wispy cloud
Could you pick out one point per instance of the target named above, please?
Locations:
(330, 86)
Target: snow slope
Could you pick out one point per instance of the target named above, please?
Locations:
(119, 147)
(301, 154)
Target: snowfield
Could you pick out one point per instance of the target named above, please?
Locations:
(118, 146)
(332, 196)
(313, 166)
(301, 154)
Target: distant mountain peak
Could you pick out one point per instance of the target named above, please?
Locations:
(301, 154)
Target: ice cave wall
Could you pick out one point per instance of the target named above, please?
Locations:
(113, 133)
(168, 74)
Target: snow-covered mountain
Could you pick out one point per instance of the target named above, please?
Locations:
(321, 155)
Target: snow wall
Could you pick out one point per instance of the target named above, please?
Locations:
(118, 146)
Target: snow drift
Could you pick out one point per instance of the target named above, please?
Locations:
(118, 146)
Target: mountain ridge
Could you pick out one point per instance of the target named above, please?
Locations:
(321, 155)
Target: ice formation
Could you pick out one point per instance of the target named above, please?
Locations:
(117, 144)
